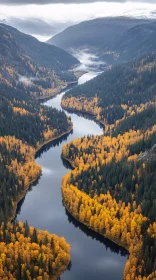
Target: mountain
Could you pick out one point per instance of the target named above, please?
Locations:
(41, 53)
(100, 32)
(136, 42)
(102, 36)
(30, 25)
(36, 27)
(25, 59)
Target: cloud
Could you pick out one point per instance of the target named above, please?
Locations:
(44, 2)
(74, 13)
(27, 81)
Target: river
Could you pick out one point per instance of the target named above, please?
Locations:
(92, 257)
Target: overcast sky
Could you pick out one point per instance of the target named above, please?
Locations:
(41, 2)
(73, 11)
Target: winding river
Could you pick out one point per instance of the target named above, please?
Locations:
(92, 256)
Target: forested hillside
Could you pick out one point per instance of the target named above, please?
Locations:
(112, 188)
(100, 32)
(40, 68)
(112, 39)
(136, 41)
(117, 93)
(25, 125)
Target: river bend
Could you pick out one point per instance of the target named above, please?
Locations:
(92, 257)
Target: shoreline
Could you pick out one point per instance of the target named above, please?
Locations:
(118, 244)
(115, 242)
(70, 161)
(73, 166)
(83, 112)
(54, 138)
(77, 74)
(58, 91)
(23, 193)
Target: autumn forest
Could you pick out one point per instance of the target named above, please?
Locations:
(25, 126)
(111, 188)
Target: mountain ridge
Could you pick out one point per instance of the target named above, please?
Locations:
(46, 68)
(102, 36)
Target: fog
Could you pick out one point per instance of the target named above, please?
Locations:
(89, 61)
(28, 81)
(45, 20)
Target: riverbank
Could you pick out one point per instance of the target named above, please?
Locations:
(117, 242)
(23, 193)
(83, 112)
(86, 251)
(54, 138)
(77, 74)
(58, 91)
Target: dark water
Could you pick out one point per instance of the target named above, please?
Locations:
(92, 257)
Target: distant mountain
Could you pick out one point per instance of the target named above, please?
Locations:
(23, 58)
(137, 41)
(98, 33)
(30, 25)
(42, 53)
(102, 36)
(36, 27)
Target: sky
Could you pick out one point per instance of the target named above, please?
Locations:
(23, 2)
(76, 11)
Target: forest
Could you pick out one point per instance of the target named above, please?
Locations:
(43, 73)
(23, 117)
(112, 187)
(29, 253)
(25, 125)
(117, 93)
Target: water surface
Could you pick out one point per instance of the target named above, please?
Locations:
(92, 256)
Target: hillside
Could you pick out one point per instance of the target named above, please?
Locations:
(30, 25)
(116, 93)
(112, 188)
(25, 125)
(25, 121)
(35, 26)
(137, 42)
(109, 38)
(25, 61)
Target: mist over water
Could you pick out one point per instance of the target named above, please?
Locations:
(89, 61)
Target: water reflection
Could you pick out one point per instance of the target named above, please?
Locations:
(43, 208)
(84, 115)
(70, 86)
(63, 138)
(52, 144)
(21, 202)
(106, 242)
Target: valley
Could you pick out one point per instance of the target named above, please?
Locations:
(91, 255)
(77, 149)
